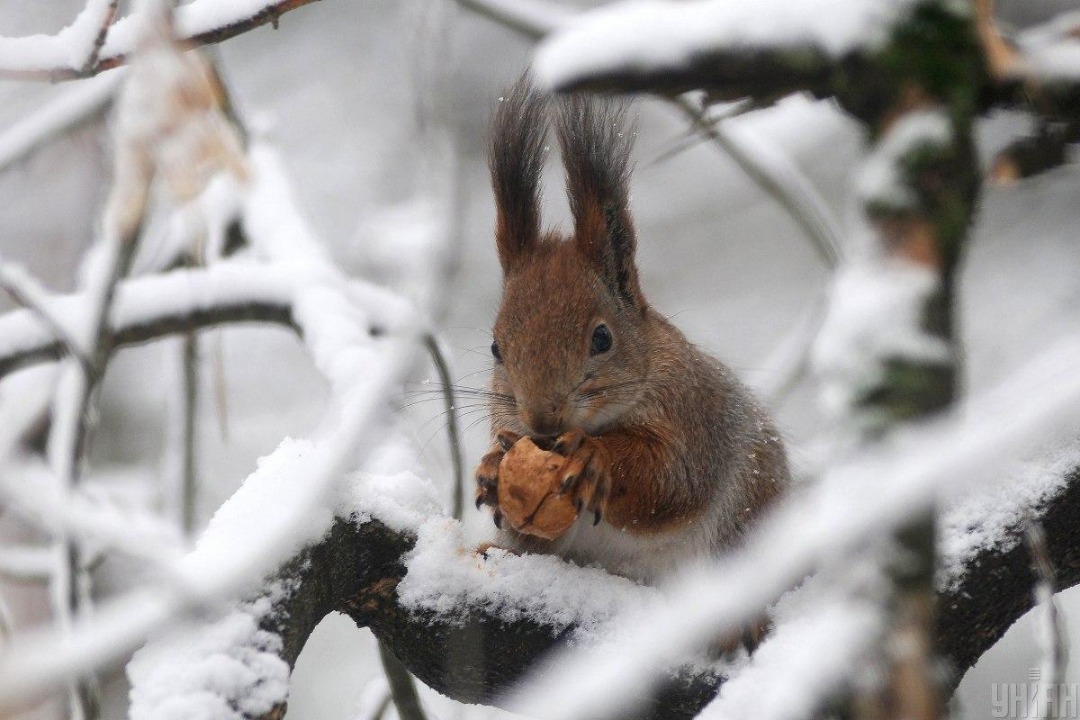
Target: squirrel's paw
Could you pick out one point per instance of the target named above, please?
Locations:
(487, 474)
(586, 471)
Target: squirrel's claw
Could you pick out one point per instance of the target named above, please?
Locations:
(506, 440)
(585, 472)
(487, 479)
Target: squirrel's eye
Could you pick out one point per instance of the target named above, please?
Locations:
(601, 340)
(495, 352)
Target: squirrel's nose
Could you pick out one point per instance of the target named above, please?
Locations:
(542, 422)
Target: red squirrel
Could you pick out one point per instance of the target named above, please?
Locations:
(668, 457)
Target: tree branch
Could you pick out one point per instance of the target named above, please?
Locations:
(478, 656)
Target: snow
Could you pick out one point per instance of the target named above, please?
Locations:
(264, 507)
(655, 35)
(1051, 51)
(447, 577)
(225, 670)
(812, 653)
(874, 315)
(883, 179)
(68, 49)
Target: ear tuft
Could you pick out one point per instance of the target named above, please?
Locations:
(516, 160)
(596, 144)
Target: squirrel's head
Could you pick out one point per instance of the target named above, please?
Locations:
(570, 340)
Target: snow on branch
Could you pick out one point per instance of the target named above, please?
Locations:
(64, 56)
(761, 49)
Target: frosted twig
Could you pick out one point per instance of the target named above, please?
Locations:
(25, 564)
(789, 362)
(79, 104)
(1051, 636)
(25, 290)
(7, 623)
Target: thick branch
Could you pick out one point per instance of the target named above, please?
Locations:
(996, 588)
(478, 656)
(474, 658)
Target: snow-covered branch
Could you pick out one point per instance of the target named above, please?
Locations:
(64, 56)
(768, 49)
(409, 579)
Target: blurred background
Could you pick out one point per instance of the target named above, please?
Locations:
(380, 109)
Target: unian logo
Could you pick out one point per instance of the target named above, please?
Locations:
(1034, 699)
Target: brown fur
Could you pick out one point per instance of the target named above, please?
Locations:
(661, 441)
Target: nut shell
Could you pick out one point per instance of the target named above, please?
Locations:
(529, 496)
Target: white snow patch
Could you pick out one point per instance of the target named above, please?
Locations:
(264, 507)
(445, 576)
(653, 35)
(70, 48)
(226, 670)
(882, 178)
(812, 654)
(402, 501)
(875, 314)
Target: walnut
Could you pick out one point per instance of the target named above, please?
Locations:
(529, 491)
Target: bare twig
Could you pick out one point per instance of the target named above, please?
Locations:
(1052, 639)
(790, 190)
(453, 431)
(189, 399)
(99, 40)
(402, 686)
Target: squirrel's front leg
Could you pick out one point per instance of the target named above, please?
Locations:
(487, 473)
(625, 477)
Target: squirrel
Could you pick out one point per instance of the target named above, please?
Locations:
(668, 457)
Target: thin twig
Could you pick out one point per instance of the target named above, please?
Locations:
(795, 195)
(189, 392)
(99, 40)
(452, 429)
(1052, 638)
(402, 686)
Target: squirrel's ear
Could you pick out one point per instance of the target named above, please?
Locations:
(596, 151)
(516, 159)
